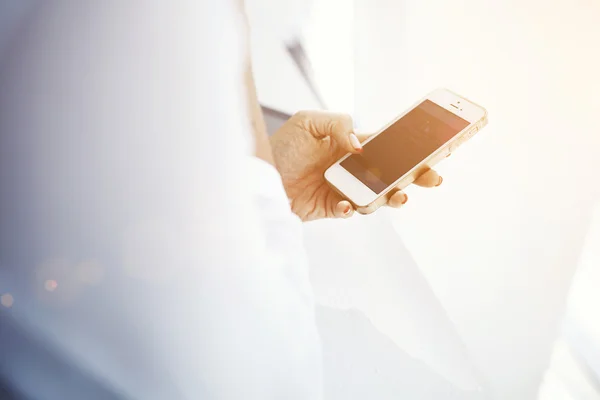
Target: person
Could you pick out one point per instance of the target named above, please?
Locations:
(150, 231)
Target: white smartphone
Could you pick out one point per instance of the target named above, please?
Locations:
(406, 148)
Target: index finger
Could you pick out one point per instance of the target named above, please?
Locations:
(429, 179)
(362, 136)
(339, 127)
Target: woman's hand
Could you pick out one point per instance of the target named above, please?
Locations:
(309, 143)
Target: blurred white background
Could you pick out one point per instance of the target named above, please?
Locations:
(490, 254)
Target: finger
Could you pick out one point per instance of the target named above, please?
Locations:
(362, 136)
(337, 207)
(343, 209)
(398, 199)
(339, 127)
(429, 179)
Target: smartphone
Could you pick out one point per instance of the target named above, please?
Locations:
(406, 148)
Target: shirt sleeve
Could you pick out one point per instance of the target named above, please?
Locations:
(141, 242)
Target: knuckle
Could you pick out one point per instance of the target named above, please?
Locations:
(305, 119)
(344, 117)
(339, 123)
(302, 120)
(345, 122)
(333, 125)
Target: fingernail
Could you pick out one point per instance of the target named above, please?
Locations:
(347, 210)
(354, 142)
(440, 181)
(404, 199)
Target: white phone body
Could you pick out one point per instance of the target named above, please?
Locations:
(470, 115)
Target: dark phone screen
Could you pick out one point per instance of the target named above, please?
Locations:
(403, 145)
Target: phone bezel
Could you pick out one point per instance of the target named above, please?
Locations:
(360, 194)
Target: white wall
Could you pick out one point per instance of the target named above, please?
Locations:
(499, 241)
(329, 40)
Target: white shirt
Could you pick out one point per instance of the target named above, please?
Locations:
(144, 253)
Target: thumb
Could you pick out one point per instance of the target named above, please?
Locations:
(363, 135)
(339, 127)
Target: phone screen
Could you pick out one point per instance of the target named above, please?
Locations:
(403, 145)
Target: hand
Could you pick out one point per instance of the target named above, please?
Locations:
(309, 143)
